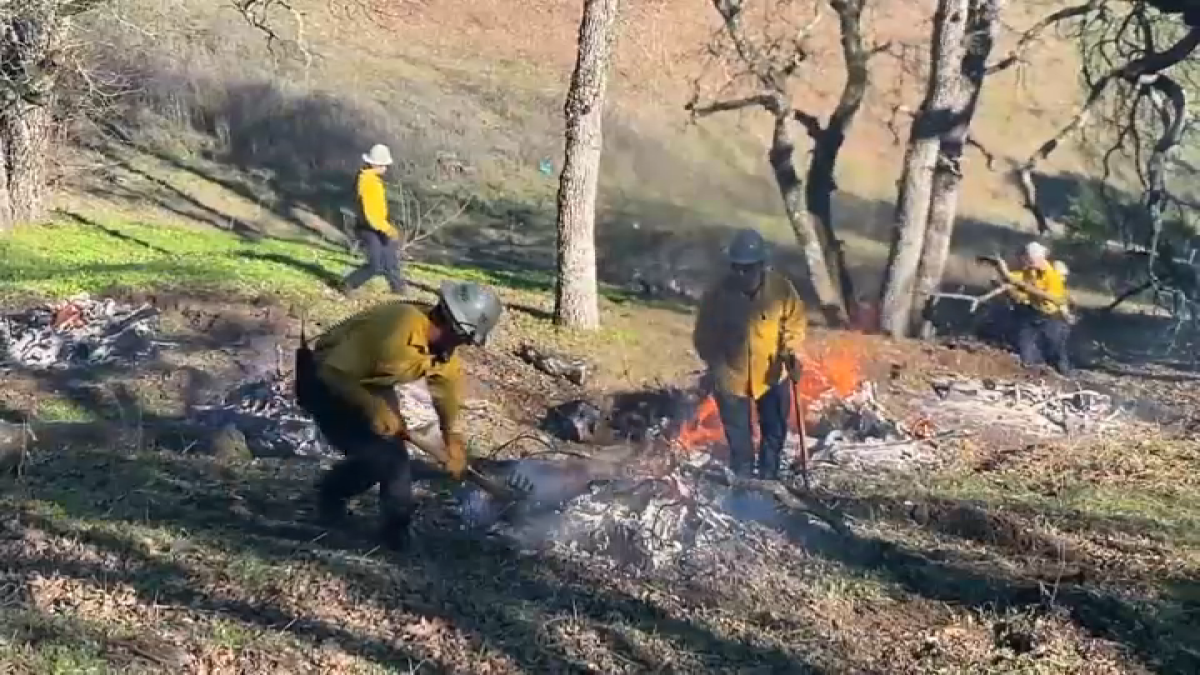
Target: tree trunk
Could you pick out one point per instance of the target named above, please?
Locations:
(27, 131)
(6, 214)
(828, 142)
(28, 67)
(782, 158)
(576, 301)
(983, 18)
(916, 183)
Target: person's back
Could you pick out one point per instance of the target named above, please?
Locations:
(360, 347)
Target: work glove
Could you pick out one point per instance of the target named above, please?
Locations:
(456, 456)
(794, 366)
(386, 421)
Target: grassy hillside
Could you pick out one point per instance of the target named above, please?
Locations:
(119, 556)
(478, 87)
(213, 192)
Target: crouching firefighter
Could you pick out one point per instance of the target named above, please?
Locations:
(749, 327)
(347, 380)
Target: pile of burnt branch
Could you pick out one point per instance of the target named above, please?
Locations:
(79, 332)
(1040, 409)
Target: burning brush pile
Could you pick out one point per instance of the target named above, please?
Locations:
(665, 497)
(78, 332)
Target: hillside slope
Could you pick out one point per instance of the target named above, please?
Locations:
(478, 85)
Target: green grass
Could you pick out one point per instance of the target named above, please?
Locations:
(58, 259)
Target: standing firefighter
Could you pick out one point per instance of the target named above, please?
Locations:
(379, 237)
(1041, 312)
(347, 383)
(748, 330)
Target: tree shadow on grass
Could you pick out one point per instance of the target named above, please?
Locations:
(500, 599)
(1155, 626)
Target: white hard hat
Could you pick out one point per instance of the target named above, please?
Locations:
(379, 155)
(1036, 251)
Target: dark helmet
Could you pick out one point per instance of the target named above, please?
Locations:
(747, 247)
(474, 309)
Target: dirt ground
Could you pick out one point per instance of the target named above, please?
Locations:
(144, 560)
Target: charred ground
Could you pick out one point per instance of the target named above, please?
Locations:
(1056, 556)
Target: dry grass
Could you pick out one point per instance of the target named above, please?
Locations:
(1059, 558)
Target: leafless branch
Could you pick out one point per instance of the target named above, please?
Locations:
(988, 156)
(1030, 36)
(260, 15)
(1135, 73)
(770, 102)
(422, 223)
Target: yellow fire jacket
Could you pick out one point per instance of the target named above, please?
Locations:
(1048, 281)
(383, 346)
(373, 202)
(740, 338)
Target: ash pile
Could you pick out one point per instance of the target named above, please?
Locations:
(264, 410)
(79, 332)
(657, 515)
(1033, 409)
(858, 432)
(673, 502)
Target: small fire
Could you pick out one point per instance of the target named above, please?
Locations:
(829, 370)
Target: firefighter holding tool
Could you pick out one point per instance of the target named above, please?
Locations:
(749, 328)
(1041, 307)
(347, 380)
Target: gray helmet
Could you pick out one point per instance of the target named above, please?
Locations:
(474, 309)
(747, 247)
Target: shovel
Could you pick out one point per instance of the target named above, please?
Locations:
(437, 450)
(795, 369)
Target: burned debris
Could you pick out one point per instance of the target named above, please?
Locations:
(634, 416)
(78, 332)
(575, 370)
(1030, 408)
(264, 411)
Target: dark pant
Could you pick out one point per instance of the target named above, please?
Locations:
(383, 258)
(1042, 339)
(370, 459)
(773, 409)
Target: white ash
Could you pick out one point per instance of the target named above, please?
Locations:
(1032, 409)
(651, 524)
(78, 332)
(265, 411)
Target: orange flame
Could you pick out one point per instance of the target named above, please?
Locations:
(829, 370)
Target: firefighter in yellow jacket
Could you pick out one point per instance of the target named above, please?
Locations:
(1041, 308)
(380, 238)
(749, 328)
(347, 380)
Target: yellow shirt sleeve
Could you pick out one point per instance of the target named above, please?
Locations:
(374, 203)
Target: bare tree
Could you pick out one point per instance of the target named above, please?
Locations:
(1134, 60)
(38, 50)
(982, 20)
(576, 301)
(933, 120)
(766, 64)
